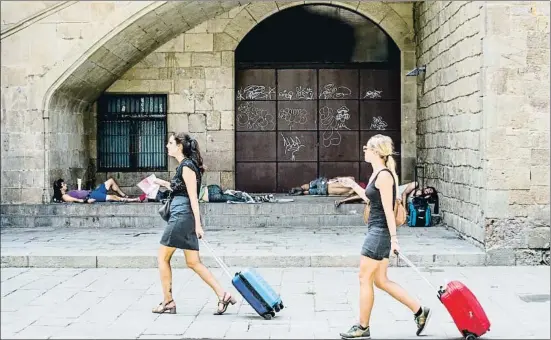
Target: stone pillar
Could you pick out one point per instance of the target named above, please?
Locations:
(515, 139)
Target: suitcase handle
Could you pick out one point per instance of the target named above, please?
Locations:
(216, 258)
(410, 264)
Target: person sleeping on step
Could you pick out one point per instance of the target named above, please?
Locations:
(405, 191)
(100, 194)
(322, 187)
(214, 193)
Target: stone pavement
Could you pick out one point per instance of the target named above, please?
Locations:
(320, 303)
(257, 247)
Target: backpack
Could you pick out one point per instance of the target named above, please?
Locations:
(419, 213)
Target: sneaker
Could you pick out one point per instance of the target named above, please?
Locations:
(355, 332)
(422, 320)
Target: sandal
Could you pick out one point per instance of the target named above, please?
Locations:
(224, 302)
(162, 308)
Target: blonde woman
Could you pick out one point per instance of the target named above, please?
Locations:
(381, 239)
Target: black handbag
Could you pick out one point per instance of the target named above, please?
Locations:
(164, 211)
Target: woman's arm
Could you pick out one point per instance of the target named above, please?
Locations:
(385, 183)
(190, 179)
(69, 199)
(350, 199)
(162, 183)
(348, 182)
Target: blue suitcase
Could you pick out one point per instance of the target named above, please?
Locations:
(258, 293)
(254, 289)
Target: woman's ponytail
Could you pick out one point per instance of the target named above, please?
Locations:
(391, 165)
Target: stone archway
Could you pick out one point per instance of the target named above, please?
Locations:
(389, 20)
(71, 96)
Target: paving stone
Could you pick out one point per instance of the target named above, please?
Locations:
(329, 307)
(255, 247)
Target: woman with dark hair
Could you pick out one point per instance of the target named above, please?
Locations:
(431, 195)
(100, 194)
(184, 229)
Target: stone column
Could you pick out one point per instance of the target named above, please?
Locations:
(515, 138)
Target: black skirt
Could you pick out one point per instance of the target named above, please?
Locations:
(180, 229)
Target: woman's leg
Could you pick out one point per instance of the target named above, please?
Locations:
(409, 188)
(421, 314)
(110, 184)
(368, 267)
(393, 289)
(115, 198)
(165, 271)
(194, 263)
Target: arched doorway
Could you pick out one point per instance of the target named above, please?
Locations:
(313, 83)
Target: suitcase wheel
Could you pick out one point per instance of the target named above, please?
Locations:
(267, 316)
(470, 336)
(281, 305)
(277, 308)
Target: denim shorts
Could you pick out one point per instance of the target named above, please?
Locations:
(377, 243)
(318, 186)
(100, 193)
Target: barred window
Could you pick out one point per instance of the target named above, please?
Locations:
(132, 133)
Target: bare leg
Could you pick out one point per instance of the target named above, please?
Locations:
(368, 268)
(393, 289)
(114, 198)
(165, 271)
(408, 191)
(354, 198)
(193, 262)
(339, 189)
(305, 189)
(110, 184)
(120, 199)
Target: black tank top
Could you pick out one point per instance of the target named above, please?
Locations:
(377, 217)
(178, 185)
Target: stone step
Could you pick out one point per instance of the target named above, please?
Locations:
(303, 212)
(250, 247)
(220, 221)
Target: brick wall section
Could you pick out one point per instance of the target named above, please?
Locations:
(195, 69)
(449, 117)
(516, 138)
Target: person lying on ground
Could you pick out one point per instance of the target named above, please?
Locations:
(323, 187)
(405, 190)
(214, 193)
(100, 194)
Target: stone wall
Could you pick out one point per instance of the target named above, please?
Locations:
(196, 70)
(449, 115)
(69, 154)
(40, 41)
(516, 130)
(483, 121)
(77, 49)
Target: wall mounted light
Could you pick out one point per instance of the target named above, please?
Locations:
(416, 71)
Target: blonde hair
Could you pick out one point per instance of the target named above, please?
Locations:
(384, 147)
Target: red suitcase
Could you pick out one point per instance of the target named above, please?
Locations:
(464, 308)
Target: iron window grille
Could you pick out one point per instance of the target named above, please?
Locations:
(132, 132)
